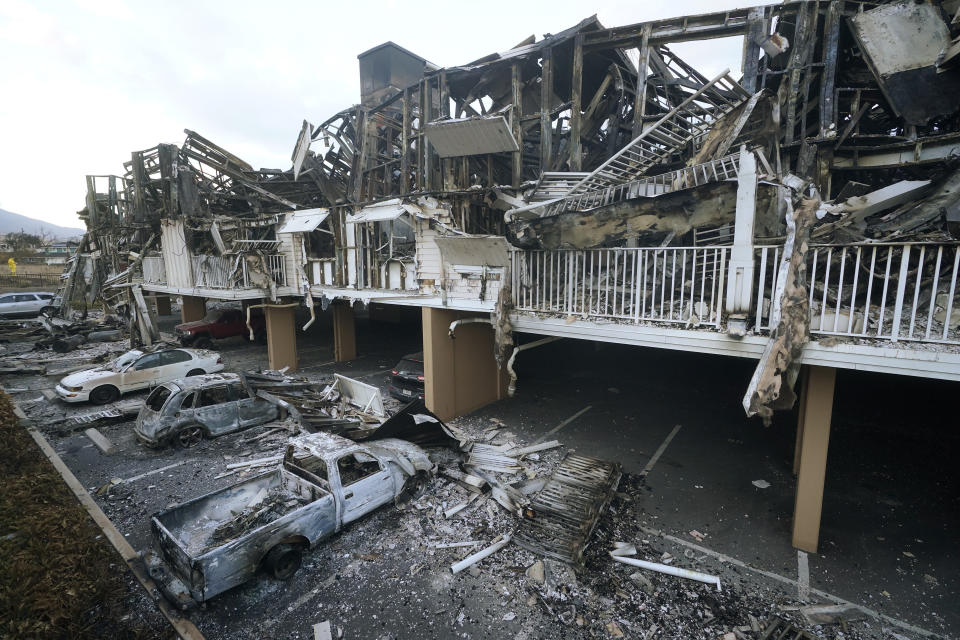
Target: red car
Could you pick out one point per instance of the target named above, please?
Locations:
(219, 324)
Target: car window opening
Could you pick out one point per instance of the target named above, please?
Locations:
(356, 467)
(158, 398)
(212, 396)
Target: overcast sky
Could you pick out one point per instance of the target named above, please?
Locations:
(85, 82)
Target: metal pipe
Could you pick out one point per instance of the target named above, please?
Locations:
(455, 323)
(667, 569)
(512, 387)
(266, 306)
(471, 560)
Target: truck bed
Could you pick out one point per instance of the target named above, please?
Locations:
(203, 524)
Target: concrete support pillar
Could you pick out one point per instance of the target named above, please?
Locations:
(344, 332)
(281, 337)
(460, 375)
(816, 411)
(163, 305)
(192, 308)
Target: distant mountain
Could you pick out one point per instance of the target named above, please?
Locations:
(13, 222)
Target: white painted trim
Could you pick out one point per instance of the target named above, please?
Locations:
(219, 294)
(943, 365)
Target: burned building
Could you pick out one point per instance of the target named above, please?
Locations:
(801, 209)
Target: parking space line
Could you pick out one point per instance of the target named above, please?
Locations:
(314, 366)
(803, 575)
(724, 558)
(659, 452)
(561, 425)
(150, 473)
(304, 599)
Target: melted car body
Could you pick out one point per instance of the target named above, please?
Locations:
(219, 540)
(187, 410)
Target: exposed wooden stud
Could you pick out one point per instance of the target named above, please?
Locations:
(576, 78)
(405, 143)
(640, 94)
(756, 31)
(515, 115)
(546, 97)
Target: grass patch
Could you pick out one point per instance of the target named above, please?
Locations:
(59, 577)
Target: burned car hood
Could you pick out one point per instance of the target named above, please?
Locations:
(80, 378)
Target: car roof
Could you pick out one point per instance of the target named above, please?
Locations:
(44, 293)
(193, 383)
(416, 357)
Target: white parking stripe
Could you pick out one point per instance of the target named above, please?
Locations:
(803, 575)
(150, 473)
(659, 452)
(562, 425)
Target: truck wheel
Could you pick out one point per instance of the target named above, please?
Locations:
(196, 372)
(189, 437)
(283, 561)
(203, 342)
(104, 394)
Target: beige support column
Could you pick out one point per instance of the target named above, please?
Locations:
(192, 308)
(281, 337)
(816, 413)
(163, 305)
(460, 375)
(344, 332)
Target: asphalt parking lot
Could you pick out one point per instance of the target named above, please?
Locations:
(672, 419)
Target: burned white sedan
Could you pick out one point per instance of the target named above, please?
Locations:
(136, 370)
(188, 410)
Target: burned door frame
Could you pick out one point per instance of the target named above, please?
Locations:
(353, 494)
(226, 408)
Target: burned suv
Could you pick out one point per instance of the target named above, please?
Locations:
(188, 410)
(406, 379)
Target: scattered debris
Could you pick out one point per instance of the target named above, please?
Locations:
(761, 484)
(561, 516)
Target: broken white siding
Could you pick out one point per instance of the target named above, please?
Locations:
(292, 251)
(176, 256)
(429, 266)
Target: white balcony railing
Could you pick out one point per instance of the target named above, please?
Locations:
(896, 292)
(680, 285)
(892, 292)
(154, 271)
(233, 272)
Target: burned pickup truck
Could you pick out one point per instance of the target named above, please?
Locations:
(220, 540)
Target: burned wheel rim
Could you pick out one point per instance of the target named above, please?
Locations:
(283, 561)
(189, 437)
